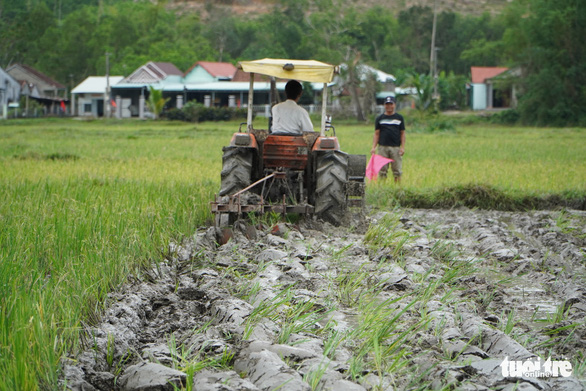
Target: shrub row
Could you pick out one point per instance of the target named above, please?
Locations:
(197, 112)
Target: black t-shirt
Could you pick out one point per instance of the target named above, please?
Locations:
(390, 129)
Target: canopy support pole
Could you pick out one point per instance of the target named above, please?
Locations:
(250, 100)
(324, 103)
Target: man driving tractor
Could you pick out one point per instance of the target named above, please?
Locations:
(288, 116)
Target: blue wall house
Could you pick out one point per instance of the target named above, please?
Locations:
(491, 88)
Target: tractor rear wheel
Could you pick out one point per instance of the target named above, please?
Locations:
(236, 170)
(330, 192)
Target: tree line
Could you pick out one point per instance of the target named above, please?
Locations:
(69, 39)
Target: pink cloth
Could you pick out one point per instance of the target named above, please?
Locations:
(375, 164)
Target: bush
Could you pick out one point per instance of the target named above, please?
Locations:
(175, 114)
(424, 123)
(506, 117)
(196, 112)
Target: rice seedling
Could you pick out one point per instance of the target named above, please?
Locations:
(386, 234)
(349, 286)
(314, 376)
(267, 309)
(334, 339)
(298, 318)
(508, 325)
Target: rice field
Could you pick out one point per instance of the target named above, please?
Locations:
(84, 205)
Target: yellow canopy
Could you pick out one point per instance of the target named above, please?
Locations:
(304, 70)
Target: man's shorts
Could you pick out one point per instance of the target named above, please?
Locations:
(396, 165)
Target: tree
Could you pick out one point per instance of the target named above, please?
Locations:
(156, 102)
(553, 61)
(423, 84)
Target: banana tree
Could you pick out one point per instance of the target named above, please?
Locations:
(156, 102)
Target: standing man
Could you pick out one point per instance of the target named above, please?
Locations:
(288, 117)
(389, 135)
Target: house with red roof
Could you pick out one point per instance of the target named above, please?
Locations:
(206, 72)
(209, 83)
(488, 89)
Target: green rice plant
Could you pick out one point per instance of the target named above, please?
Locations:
(382, 336)
(267, 309)
(331, 343)
(387, 234)
(73, 229)
(351, 285)
(110, 349)
(508, 326)
(268, 219)
(313, 377)
(579, 365)
(301, 317)
(338, 253)
(444, 251)
(568, 226)
(560, 314)
(356, 367)
(249, 290)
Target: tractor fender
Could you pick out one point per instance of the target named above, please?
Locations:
(326, 144)
(245, 140)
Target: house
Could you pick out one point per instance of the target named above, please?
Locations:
(87, 98)
(39, 87)
(198, 84)
(9, 93)
(206, 72)
(135, 87)
(486, 91)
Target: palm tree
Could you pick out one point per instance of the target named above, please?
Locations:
(156, 102)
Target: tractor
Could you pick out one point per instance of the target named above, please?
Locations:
(306, 174)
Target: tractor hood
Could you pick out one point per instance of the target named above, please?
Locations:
(303, 70)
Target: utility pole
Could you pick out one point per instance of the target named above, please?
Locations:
(433, 53)
(107, 107)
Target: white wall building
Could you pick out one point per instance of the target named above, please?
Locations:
(87, 99)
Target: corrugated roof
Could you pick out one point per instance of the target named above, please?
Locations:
(481, 74)
(219, 69)
(230, 86)
(95, 84)
(153, 72)
(223, 70)
(37, 74)
(168, 68)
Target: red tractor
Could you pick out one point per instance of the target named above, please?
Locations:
(306, 174)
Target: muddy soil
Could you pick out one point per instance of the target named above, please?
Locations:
(408, 299)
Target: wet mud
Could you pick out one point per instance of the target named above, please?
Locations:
(403, 300)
